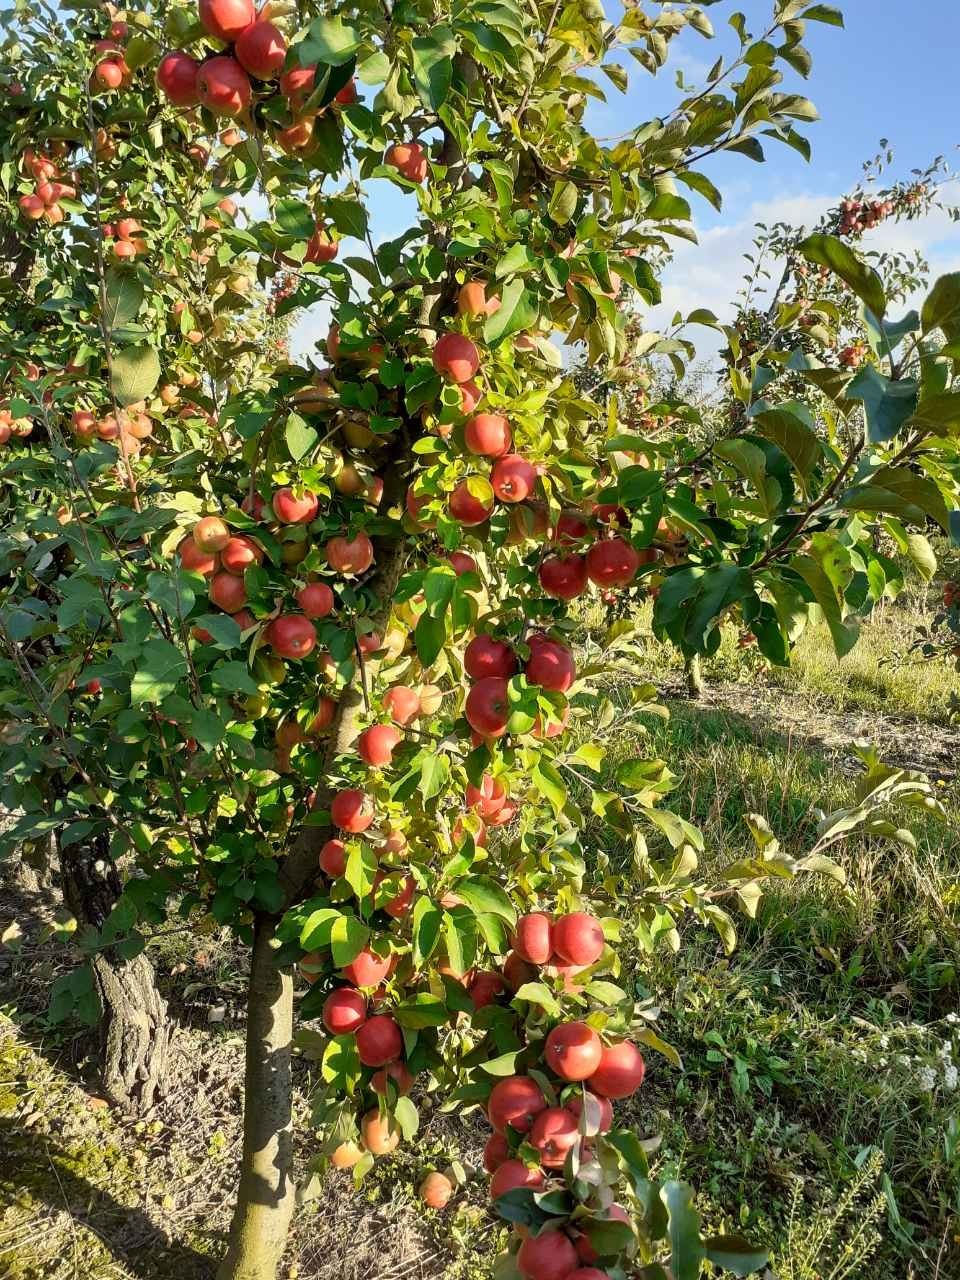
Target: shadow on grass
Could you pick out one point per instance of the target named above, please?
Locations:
(45, 1173)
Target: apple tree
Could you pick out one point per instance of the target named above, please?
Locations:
(296, 647)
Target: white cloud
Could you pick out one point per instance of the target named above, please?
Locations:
(710, 274)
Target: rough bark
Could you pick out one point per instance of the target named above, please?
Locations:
(135, 1032)
(266, 1194)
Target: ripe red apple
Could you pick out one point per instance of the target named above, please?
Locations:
(571, 526)
(575, 1104)
(484, 988)
(517, 972)
(511, 1174)
(316, 600)
(379, 1041)
(470, 396)
(487, 707)
(367, 969)
(612, 563)
(291, 635)
(344, 1010)
(290, 509)
(350, 555)
(261, 50)
(223, 86)
(469, 508)
(409, 159)
(487, 799)
(333, 858)
(295, 137)
(554, 1132)
(485, 655)
(488, 435)
(109, 73)
(321, 247)
(550, 665)
(515, 1101)
(240, 553)
(620, 1072)
(376, 744)
(288, 734)
(395, 1071)
(572, 1050)
(548, 1256)
(436, 1191)
(227, 592)
(177, 78)
(197, 561)
(226, 19)
(456, 358)
(513, 478)
(399, 905)
(461, 562)
(323, 717)
(211, 534)
(563, 577)
(578, 938)
(348, 95)
(495, 1152)
(403, 704)
(352, 810)
(533, 940)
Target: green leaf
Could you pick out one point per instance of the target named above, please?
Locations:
(690, 601)
(518, 310)
(485, 896)
(548, 782)
(317, 928)
(124, 297)
(300, 436)
(735, 1254)
(136, 371)
(160, 668)
(687, 1250)
(830, 600)
(348, 937)
(750, 461)
(433, 65)
(407, 1117)
(789, 433)
(563, 201)
(832, 252)
(900, 492)
(427, 923)
(422, 1010)
(329, 40)
(824, 13)
(921, 553)
(941, 310)
(887, 404)
(233, 677)
(429, 637)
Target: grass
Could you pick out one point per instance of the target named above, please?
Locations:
(814, 1110)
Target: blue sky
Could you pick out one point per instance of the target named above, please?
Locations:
(891, 73)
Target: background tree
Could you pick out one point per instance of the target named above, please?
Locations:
(292, 642)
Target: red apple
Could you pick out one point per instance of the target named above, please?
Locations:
(227, 592)
(572, 1050)
(261, 50)
(316, 600)
(403, 703)
(379, 1041)
(177, 78)
(548, 1256)
(612, 563)
(578, 938)
(513, 478)
(350, 555)
(554, 1132)
(223, 86)
(226, 19)
(240, 553)
(550, 665)
(291, 509)
(376, 744)
(469, 508)
(408, 158)
(620, 1072)
(488, 435)
(515, 1101)
(563, 577)
(485, 655)
(291, 635)
(352, 810)
(344, 1011)
(367, 969)
(511, 1174)
(333, 858)
(456, 358)
(487, 707)
(533, 940)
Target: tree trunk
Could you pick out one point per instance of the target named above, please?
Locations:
(135, 1033)
(694, 677)
(265, 1198)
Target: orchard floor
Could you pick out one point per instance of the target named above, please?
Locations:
(831, 1032)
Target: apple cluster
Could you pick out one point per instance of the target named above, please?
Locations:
(44, 200)
(223, 83)
(111, 71)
